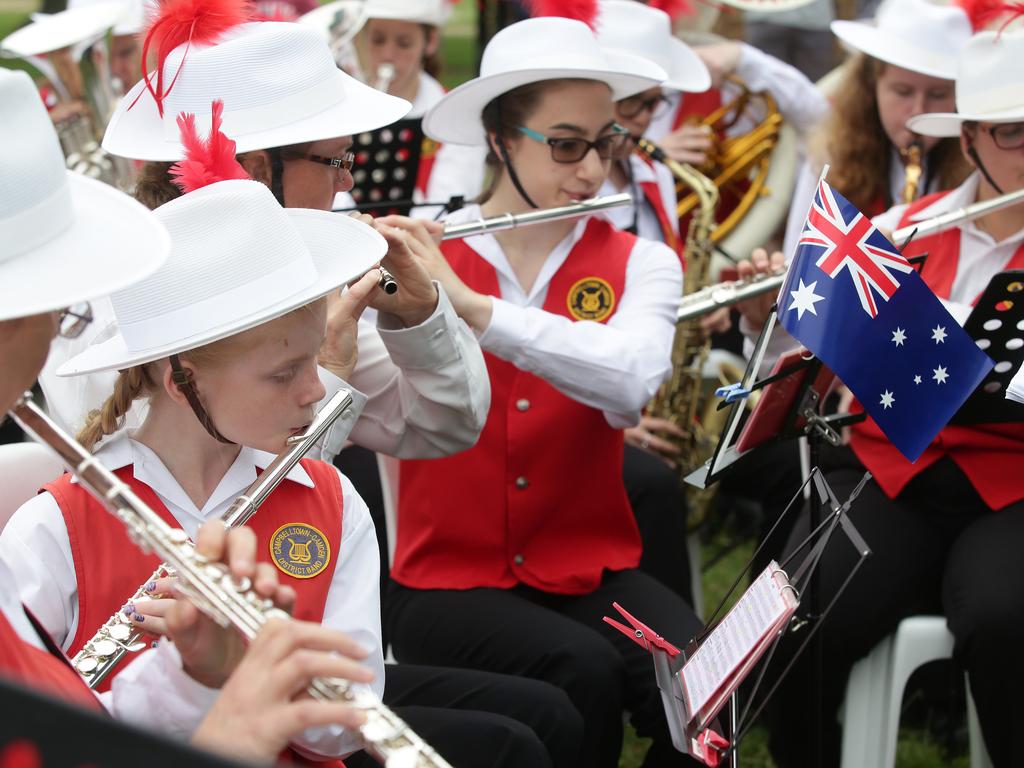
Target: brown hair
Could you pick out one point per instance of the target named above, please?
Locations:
(855, 145)
(503, 115)
(433, 62)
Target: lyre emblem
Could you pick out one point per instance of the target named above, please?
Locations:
(299, 552)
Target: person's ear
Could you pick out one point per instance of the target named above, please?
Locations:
(257, 165)
(169, 387)
(433, 41)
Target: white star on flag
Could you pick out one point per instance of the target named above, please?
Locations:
(887, 399)
(899, 336)
(938, 334)
(917, 379)
(940, 375)
(804, 299)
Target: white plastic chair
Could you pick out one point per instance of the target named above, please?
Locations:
(24, 469)
(874, 694)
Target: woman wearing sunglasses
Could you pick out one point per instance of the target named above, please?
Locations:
(509, 554)
(944, 531)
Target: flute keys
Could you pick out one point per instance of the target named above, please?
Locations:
(87, 665)
(135, 647)
(119, 632)
(104, 648)
(406, 757)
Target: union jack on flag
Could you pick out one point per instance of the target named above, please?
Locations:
(843, 238)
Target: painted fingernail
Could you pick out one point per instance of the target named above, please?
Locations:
(151, 586)
(139, 617)
(128, 609)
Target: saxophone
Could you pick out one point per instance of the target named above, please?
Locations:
(213, 590)
(118, 636)
(680, 398)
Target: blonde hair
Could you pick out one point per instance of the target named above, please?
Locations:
(138, 381)
(854, 143)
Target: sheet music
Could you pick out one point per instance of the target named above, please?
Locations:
(1015, 390)
(756, 615)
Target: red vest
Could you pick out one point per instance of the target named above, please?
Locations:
(428, 154)
(24, 663)
(696, 105)
(109, 568)
(989, 454)
(539, 500)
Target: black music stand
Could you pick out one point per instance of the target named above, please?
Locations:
(386, 167)
(36, 730)
(997, 326)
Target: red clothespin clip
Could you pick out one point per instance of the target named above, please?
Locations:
(709, 748)
(641, 634)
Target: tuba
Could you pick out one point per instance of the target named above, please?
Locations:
(79, 72)
(755, 173)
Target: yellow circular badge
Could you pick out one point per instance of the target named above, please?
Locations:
(299, 550)
(590, 299)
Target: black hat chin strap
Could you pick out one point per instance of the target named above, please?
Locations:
(182, 378)
(277, 174)
(973, 154)
(512, 175)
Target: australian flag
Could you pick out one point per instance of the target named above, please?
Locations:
(856, 303)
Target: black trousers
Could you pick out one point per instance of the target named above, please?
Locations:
(481, 719)
(660, 508)
(937, 548)
(559, 639)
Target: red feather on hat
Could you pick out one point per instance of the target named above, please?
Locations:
(580, 10)
(180, 22)
(674, 8)
(206, 162)
(983, 12)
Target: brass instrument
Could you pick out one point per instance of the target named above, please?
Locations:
(118, 637)
(385, 76)
(912, 169)
(339, 22)
(681, 399)
(514, 220)
(959, 216)
(753, 169)
(86, 98)
(212, 589)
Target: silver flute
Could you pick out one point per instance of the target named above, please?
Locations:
(707, 300)
(212, 589)
(959, 216)
(118, 636)
(513, 220)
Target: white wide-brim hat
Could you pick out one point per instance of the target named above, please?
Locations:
(532, 51)
(337, 22)
(238, 260)
(989, 86)
(631, 27)
(918, 35)
(432, 12)
(64, 238)
(279, 84)
(60, 30)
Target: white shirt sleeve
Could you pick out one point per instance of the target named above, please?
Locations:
(427, 386)
(800, 102)
(803, 192)
(353, 607)
(616, 366)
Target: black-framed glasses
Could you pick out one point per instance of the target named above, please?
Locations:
(342, 163)
(73, 320)
(1006, 135)
(572, 150)
(634, 105)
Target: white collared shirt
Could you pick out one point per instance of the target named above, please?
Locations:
(615, 366)
(36, 546)
(422, 392)
(647, 224)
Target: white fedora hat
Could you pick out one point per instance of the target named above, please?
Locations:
(532, 51)
(433, 12)
(279, 84)
(237, 260)
(337, 22)
(989, 86)
(63, 238)
(918, 35)
(51, 32)
(631, 27)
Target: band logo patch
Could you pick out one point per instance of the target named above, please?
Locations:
(299, 550)
(591, 299)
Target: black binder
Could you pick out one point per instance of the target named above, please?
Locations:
(386, 167)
